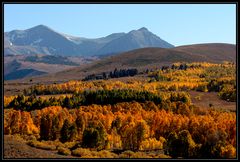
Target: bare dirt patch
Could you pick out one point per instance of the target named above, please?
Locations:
(205, 99)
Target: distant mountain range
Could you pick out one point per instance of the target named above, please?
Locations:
(44, 40)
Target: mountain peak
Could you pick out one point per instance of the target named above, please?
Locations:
(143, 29)
(41, 27)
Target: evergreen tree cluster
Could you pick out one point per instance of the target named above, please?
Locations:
(100, 97)
(113, 74)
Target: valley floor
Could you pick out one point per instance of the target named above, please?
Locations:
(15, 148)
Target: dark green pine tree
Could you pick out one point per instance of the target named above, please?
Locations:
(55, 128)
(46, 127)
(65, 134)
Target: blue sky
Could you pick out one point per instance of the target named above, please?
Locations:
(179, 24)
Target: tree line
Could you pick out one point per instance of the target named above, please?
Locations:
(101, 97)
(112, 74)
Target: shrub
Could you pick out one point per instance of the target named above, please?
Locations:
(63, 151)
(126, 154)
(106, 154)
(69, 144)
(81, 152)
(140, 155)
(29, 137)
(41, 145)
(163, 156)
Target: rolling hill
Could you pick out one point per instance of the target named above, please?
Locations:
(150, 58)
(214, 52)
(20, 66)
